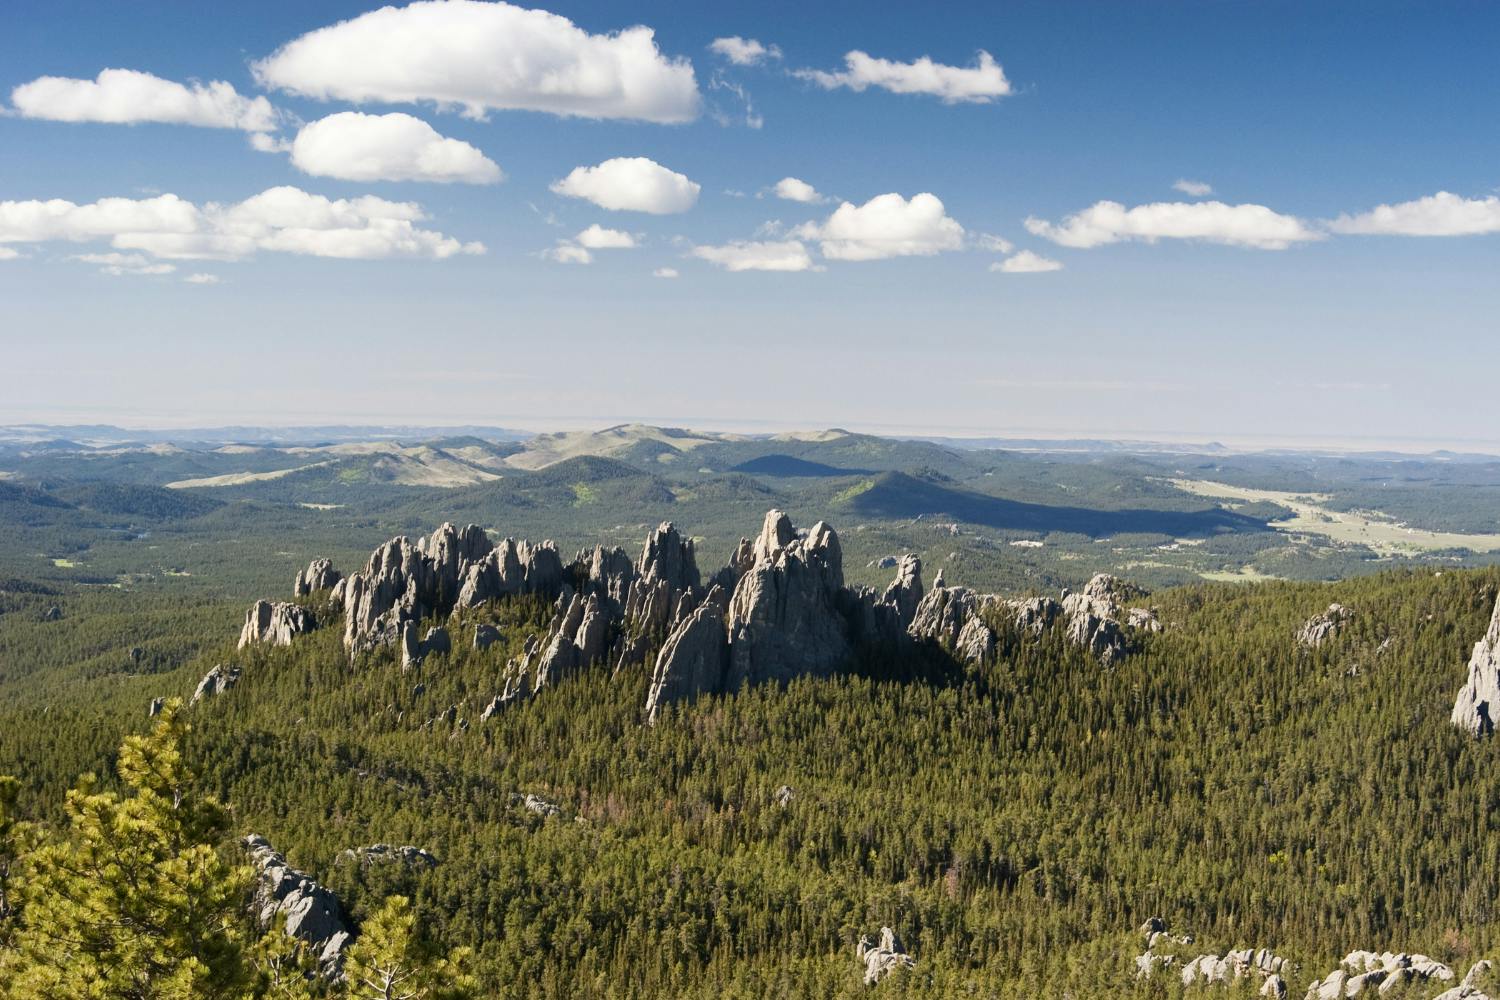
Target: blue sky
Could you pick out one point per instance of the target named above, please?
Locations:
(1167, 317)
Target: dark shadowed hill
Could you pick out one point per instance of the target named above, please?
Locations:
(897, 495)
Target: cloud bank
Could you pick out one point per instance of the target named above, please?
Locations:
(281, 219)
(1108, 222)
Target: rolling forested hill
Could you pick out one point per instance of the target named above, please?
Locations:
(1014, 820)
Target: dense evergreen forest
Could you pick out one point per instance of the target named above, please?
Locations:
(1014, 822)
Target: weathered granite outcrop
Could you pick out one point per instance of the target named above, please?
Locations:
(882, 958)
(312, 912)
(666, 572)
(1478, 701)
(319, 575)
(406, 854)
(905, 592)
(789, 615)
(578, 637)
(1321, 627)
(692, 661)
(1363, 972)
(277, 624)
(218, 680)
(406, 581)
(414, 650)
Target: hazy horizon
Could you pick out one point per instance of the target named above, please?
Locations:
(1209, 223)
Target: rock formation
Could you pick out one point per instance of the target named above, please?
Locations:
(277, 624)
(218, 680)
(414, 650)
(406, 854)
(692, 661)
(319, 575)
(485, 636)
(312, 912)
(1479, 701)
(1364, 972)
(882, 958)
(788, 616)
(778, 611)
(1321, 627)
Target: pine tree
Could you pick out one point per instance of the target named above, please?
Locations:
(391, 961)
(134, 900)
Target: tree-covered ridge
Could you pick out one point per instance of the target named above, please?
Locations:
(1014, 820)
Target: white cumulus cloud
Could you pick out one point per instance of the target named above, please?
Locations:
(792, 189)
(993, 243)
(202, 279)
(596, 237)
(127, 97)
(977, 84)
(786, 255)
(1196, 189)
(7, 253)
(1441, 214)
(567, 252)
(1026, 262)
(481, 56)
(631, 184)
(1209, 221)
(664, 272)
(885, 226)
(353, 146)
(744, 51)
(280, 219)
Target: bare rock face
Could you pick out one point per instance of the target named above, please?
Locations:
(312, 912)
(577, 638)
(214, 683)
(397, 585)
(905, 592)
(692, 661)
(1363, 973)
(882, 958)
(1478, 702)
(782, 618)
(319, 575)
(942, 614)
(406, 581)
(976, 643)
(1035, 615)
(1320, 628)
(414, 651)
(610, 572)
(277, 624)
(666, 571)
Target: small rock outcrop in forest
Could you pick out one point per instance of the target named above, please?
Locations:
(1479, 700)
(1321, 627)
(218, 680)
(312, 912)
(1364, 972)
(881, 958)
(406, 854)
(277, 624)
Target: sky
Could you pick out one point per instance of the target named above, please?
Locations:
(1246, 222)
